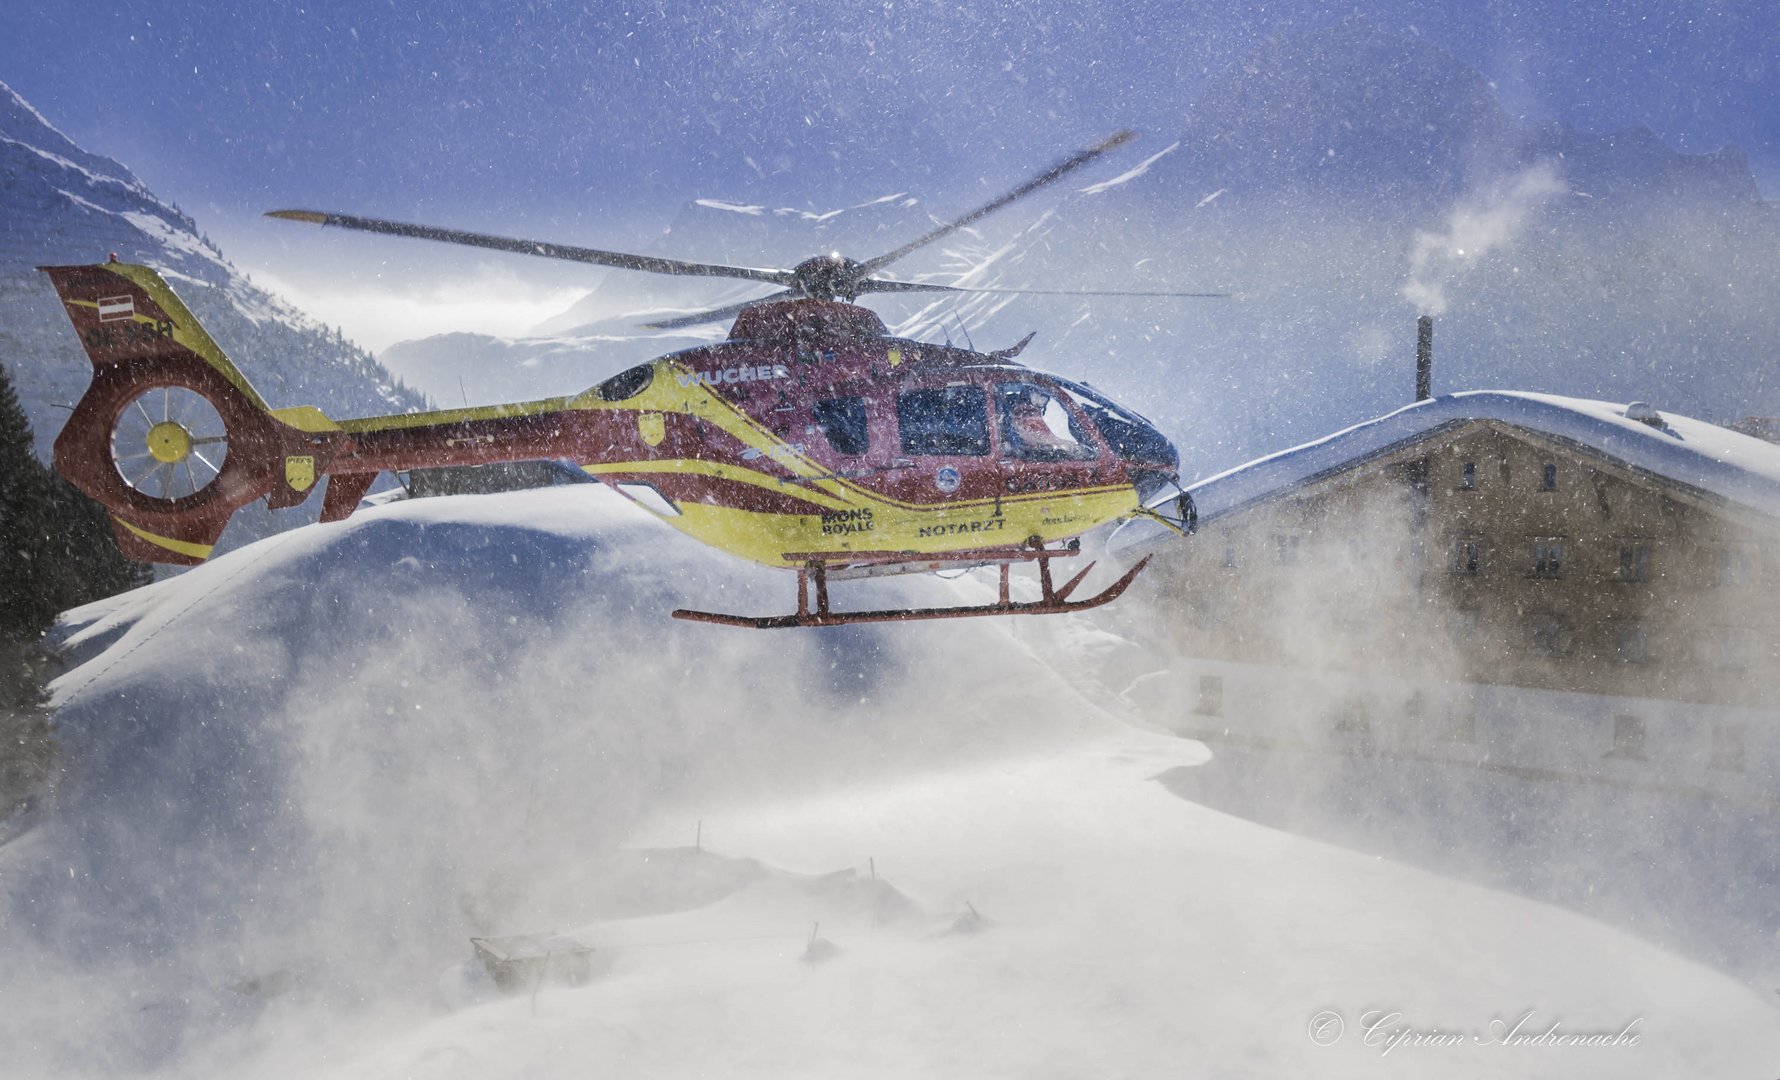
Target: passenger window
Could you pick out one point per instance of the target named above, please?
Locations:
(843, 423)
(944, 420)
(1036, 426)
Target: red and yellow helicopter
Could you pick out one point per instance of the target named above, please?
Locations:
(810, 439)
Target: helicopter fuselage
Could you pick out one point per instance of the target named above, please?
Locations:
(810, 438)
(830, 439)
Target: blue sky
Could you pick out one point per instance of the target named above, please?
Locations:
(594, 122)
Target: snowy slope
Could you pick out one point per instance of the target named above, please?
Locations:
(300, 777)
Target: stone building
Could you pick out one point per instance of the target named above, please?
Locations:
(1541, 583)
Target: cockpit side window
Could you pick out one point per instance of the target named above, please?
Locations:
(1037, 426)
(844, 425)
(951, 420)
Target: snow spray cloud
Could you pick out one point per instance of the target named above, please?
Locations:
(300, 778)
(1486, 221)
(1344, 699)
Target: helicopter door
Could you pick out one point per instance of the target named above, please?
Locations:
(1042, 442)
(944, 442)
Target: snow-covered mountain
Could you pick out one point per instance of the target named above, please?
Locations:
(1338, 182)
(299, 779)
(60, 204)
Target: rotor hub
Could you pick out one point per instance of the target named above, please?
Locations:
(169, 442)
(829, 277)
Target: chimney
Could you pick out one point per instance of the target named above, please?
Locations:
(1424, 358)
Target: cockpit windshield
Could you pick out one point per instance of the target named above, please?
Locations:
(1036, 425)
(1096, 402)
(1130, 435)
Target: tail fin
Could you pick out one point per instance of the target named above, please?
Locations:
(125, 312)
(170, 437)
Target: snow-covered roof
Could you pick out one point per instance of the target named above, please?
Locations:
(1705, 457)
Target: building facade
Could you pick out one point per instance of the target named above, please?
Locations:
(1530, 582)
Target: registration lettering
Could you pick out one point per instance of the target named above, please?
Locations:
(961, 528)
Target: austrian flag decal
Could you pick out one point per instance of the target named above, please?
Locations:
(116, 308)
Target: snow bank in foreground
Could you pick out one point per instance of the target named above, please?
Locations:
(301, 777)
(339, 752)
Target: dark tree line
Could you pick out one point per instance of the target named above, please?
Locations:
(56, 552)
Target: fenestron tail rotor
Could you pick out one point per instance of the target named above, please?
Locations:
(824, 277)
(169, 443)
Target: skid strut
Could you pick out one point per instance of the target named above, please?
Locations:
(1055, 600)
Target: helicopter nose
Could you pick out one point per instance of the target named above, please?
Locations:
(1150, 459)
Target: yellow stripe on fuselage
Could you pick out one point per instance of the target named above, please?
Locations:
(869, 523)
(741, 474)
(180, 547)
(441, 417)
(895, 524)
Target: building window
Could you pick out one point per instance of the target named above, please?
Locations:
(1634, 560)
(1548, 557)
(1730, 648)
(1468, 476)
(1727, 748)
(1732, 566)
(1548, 479)
(1287, 546)
(1211, 696)
(1213, 607)
(1230, 557)
(1462, 624)
(1628, 739)
(1467, 556)
(1352, 719)
(1548, 635)
(1631, 643)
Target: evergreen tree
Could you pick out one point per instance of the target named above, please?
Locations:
(24, 516)
(27, 743)
(56, 551)
(26, 749)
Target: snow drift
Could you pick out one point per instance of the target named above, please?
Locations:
(298, 779)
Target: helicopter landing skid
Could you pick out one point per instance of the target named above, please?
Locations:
(1055, 600)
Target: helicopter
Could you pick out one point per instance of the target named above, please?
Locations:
(809, 439)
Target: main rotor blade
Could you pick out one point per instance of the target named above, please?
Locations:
(718, 314)
(872, 285)
(1051, 175)
(649, 263)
